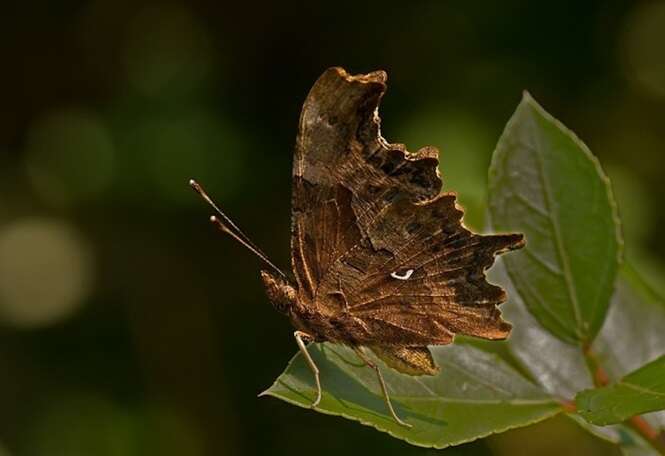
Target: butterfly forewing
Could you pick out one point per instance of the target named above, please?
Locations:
(373, 238)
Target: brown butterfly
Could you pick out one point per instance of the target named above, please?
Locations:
(380, 257)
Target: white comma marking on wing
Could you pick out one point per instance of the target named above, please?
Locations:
(405, 276)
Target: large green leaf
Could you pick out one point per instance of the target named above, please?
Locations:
(545, 183)
(639, 392)
(476, 394)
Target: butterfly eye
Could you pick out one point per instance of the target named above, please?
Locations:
(405, 276)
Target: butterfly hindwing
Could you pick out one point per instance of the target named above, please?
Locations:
(421, 276)
(407, 360)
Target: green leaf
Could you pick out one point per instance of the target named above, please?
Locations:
(639, 447)
(559, 367)
(640, 392)
(629, 441)
(632, 334)
(476, 394)
(545, 183)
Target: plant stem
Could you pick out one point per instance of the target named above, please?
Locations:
(637, 423)
(640, 425)
(600, 377)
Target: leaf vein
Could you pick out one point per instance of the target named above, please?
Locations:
(556, 229)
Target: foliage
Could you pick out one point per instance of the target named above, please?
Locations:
(479, 394)
(639, 392)
(583, 322)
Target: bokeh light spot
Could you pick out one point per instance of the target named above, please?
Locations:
(45, 272)
(643, 53)
(166, 432)
(633, 200)
(85, 423)
(193, 144)
(81, 424)
(69, 157)
(167, 49)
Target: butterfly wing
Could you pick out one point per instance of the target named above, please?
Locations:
(372, 236)
(427, 281)
(344, 173)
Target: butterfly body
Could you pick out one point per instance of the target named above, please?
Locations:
(320, 326)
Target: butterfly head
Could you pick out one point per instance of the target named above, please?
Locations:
(280, 292)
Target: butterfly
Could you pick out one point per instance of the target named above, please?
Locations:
(381, 260)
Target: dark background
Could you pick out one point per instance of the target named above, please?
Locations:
(128, 326)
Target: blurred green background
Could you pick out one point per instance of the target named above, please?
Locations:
(128, 326)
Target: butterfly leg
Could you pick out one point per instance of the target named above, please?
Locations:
(386, 397)
(300, 338)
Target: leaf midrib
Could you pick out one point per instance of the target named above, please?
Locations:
(444, 399)
(459, 400)
(556, 229)
(641, 389)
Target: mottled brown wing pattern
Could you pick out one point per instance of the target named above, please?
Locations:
(323, 225)
(337, 192)
(446, 291)
(373, 238)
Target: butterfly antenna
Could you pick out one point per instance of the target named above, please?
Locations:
(226, 225)
(198, 189)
